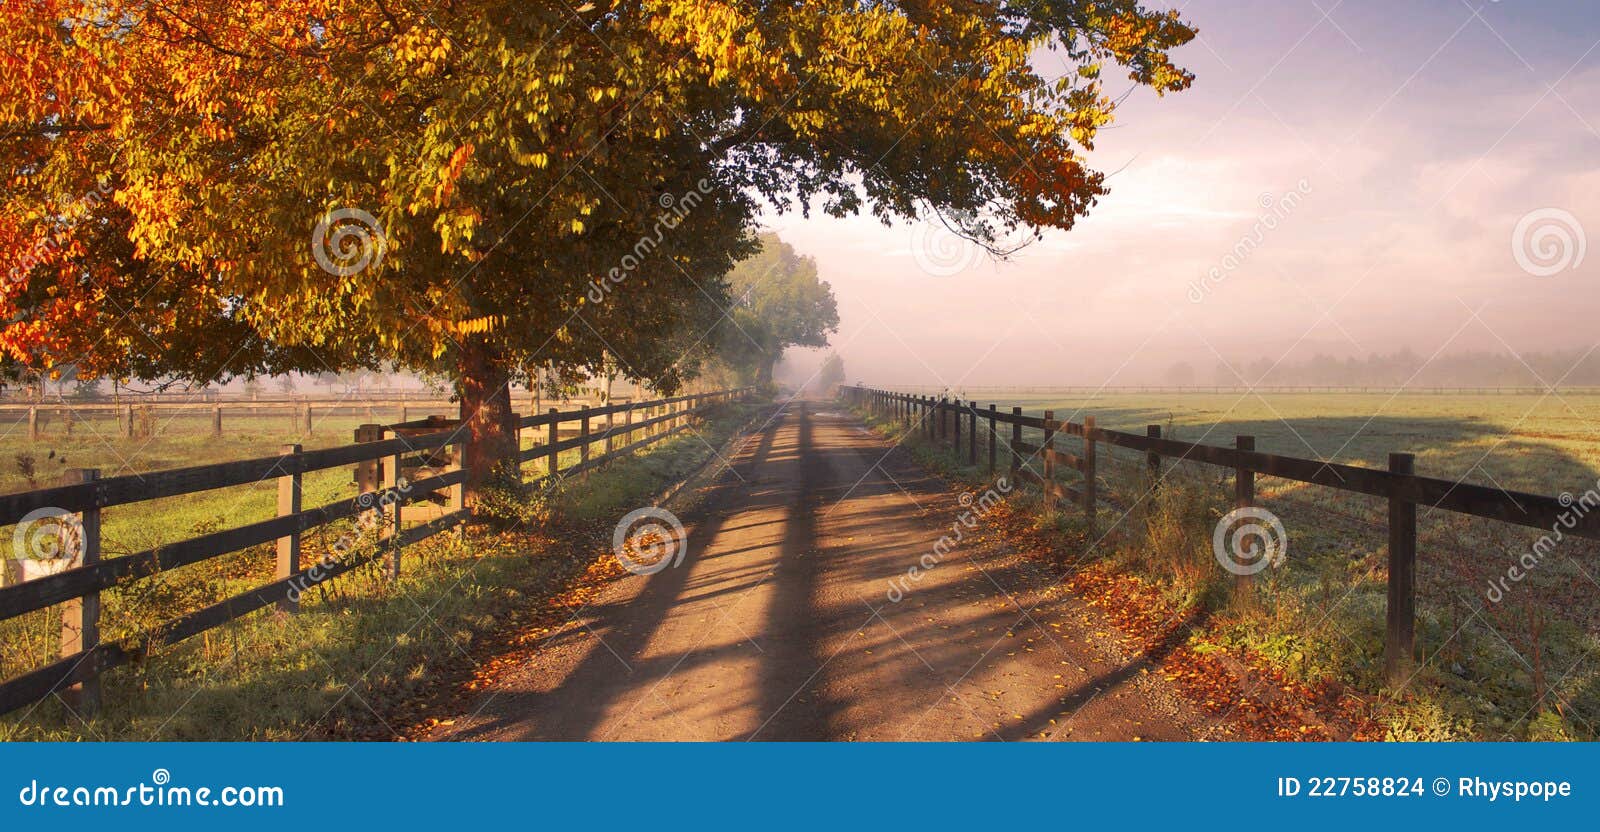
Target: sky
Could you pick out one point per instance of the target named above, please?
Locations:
(1343, 178)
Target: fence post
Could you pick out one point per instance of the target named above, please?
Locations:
(1400, 630)
(1016, 439)
(1244, 482)
(1046, 452)
(80, 617)
(393, 492)
(627, 425)
(455, 497)
(216, 421)
(1091, 467)
(308, 420)
(367, 470)
(1244, 496)
(955, 428)
(128, 423)
(553, 434)
(972, 435)
(583, 435)
(33, 423)
(992, 438)
(389, 509)
(289, 499)
(1152, 460)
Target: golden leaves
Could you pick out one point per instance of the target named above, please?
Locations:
(236, 121)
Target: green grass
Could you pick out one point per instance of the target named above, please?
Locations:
(1520, 668)
(1532, 443)
(363, 648)
(184, 442)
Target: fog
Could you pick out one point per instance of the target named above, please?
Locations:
(1439, 162)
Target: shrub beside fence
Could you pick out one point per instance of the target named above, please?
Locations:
(937, 419)
(407, 471)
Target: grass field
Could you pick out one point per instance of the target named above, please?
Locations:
(183, 441)
(1539, 444)
(1524, 666)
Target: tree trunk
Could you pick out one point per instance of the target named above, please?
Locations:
(486, 411)
(764, 372)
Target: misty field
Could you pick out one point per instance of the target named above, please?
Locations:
(1513, 664)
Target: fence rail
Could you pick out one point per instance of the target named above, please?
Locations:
(384, 493)
(303, 413)
(938, 419)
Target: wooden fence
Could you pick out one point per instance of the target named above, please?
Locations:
(417, 463)
(940, 420)
(303, 415)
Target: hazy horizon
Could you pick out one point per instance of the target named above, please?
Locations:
(1414, 143)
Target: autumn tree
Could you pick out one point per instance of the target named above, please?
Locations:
(204, 188)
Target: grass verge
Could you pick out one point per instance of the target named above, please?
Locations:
(1297, 651)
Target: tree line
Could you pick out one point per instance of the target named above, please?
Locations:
(1405, 367)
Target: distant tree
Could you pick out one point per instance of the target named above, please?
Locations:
(832, 373)
(86, 388)
(779, 302)
(1181, 374)
(286, 383)
(351, 381)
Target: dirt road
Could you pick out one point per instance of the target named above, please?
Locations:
(782, 623)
